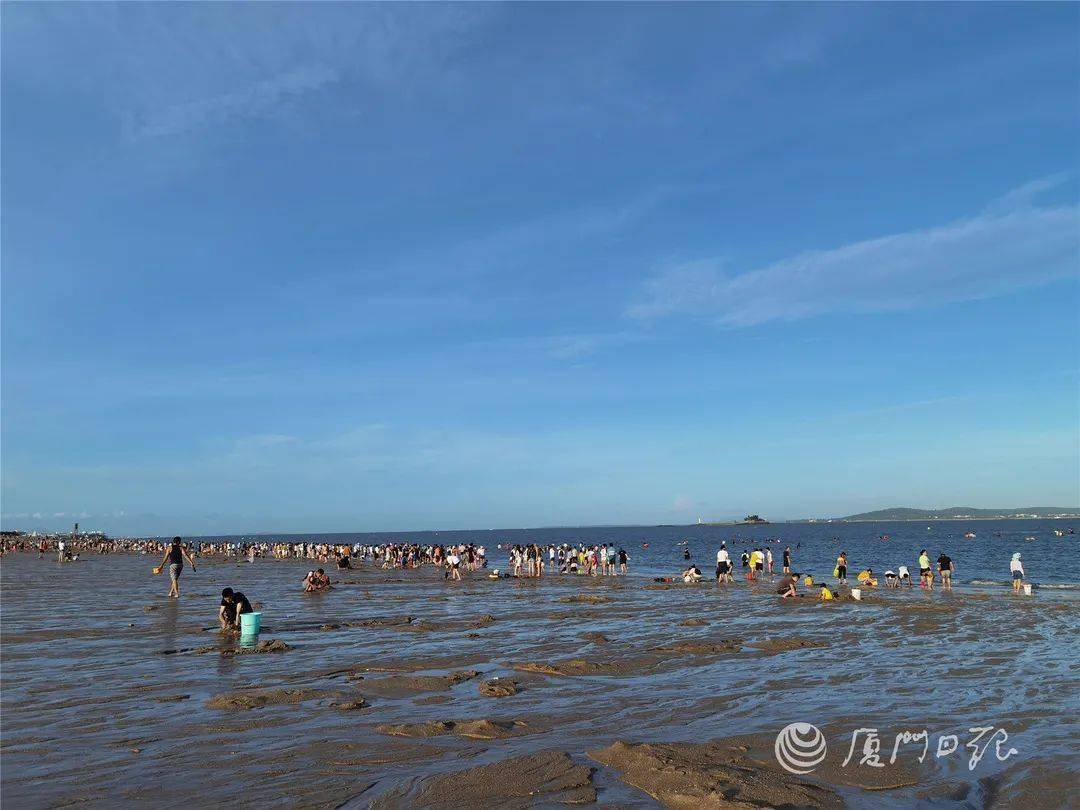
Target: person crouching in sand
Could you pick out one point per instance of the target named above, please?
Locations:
(787, 585)
(316, 581)
(232, 605)
(692, 574)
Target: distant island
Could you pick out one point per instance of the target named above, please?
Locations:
(965, 513)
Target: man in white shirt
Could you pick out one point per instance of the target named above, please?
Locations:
(723, 564)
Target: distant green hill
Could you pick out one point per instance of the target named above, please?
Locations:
(961, 512)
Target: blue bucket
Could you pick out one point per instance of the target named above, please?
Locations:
(250, 624)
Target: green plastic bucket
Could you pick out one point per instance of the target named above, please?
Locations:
(249, 624)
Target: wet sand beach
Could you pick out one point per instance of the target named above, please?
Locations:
(398, 689)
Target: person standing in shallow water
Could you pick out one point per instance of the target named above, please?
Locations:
(926, 573)
(841, 568)
(174, 556)
(453, 561)
(1017, 569)
(723, 564)
(945, 567)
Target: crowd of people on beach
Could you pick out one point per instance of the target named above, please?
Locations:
(523, 560)
(758, 562)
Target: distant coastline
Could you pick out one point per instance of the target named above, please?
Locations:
(904, 513)
(1068, 516)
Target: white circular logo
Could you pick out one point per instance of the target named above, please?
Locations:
(800, 747)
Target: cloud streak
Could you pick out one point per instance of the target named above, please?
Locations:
(175, 70)
(259, 98)
(992, 254)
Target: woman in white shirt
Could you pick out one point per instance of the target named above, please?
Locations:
(454, 561)
(1017, 569)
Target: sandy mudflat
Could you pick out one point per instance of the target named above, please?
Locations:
(401, 690)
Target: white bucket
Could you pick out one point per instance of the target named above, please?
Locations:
(1027, 589)
(856, 594)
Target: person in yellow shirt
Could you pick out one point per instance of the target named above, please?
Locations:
(867, 578)
(926, 573)
(757, 563)
(826, 594)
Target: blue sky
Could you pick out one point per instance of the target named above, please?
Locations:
(274, 267)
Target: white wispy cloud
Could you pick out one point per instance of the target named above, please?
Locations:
(566, 346)
(1024, 196)
(258, 98)
(994, 253)
(577, 346)
(169, 69)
